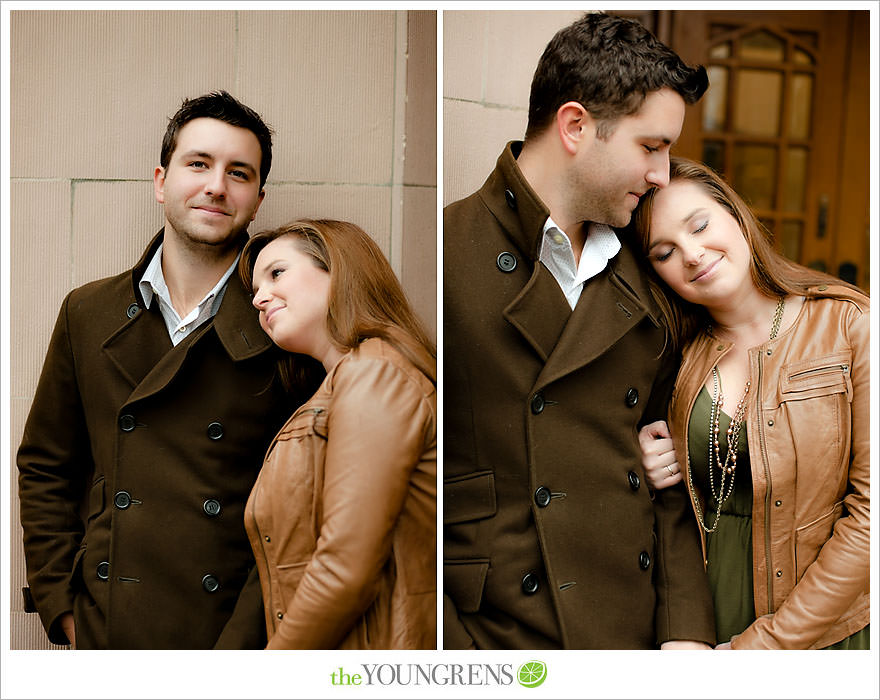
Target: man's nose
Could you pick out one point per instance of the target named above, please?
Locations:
(216, 183)
(659, 175)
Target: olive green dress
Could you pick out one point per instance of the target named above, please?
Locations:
(729, 548)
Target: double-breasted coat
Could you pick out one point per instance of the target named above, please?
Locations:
(134, 469)
(551, 537)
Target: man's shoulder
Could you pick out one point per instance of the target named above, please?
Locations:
(104, 290)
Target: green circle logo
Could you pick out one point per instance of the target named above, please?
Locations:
(532, 673)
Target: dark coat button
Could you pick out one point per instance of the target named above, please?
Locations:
(212, 507)
(510, 198)
(538, 403)
(644, 561)
(122, 500)
(210, 583)
(632, 397)
(126, 423)
(530, 584)
(132, 310)
(506, 262)
(634, 481)
(215, 431)
(542, 496)
(103, 570)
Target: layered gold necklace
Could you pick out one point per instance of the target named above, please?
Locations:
(727, 466)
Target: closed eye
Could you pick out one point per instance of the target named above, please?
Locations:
(701, 227)
(660, 257)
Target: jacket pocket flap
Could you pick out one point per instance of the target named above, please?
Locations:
(463, 582)
(469, 497)
(818, 376)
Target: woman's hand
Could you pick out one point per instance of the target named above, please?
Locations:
(658, 455)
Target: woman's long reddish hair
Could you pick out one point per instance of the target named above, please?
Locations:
(366, 298)
(773, 274)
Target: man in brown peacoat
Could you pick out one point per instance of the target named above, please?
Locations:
(551, 537)
(138, 454)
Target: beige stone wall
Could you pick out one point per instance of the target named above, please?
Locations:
(489, 58)
(351, 96)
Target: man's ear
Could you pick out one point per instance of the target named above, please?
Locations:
(159, 184)
(576, 126)
(259, 202)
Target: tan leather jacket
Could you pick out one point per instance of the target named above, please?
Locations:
(809, 449)
(342, 518)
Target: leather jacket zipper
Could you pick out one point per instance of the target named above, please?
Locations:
(769, 488)
(827, 369)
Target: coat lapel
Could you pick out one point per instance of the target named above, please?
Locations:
(539, 312)
(142, 351)
(609, 306)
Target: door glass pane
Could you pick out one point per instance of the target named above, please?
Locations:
(801, 56)
(794, 192)
(801, 103)
(715, 100)
(720, 51)
(754, 175)
(762, 46)
(790, 240)
(757, 102)
(713, 155)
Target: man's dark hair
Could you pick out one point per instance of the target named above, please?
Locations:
(609, 65)
(224, 107)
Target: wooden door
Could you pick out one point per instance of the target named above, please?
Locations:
(786, 120)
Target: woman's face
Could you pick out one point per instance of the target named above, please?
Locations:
(697, 247)
(292, 294)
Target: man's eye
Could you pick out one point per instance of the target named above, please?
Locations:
(198, 164)
(240, 174)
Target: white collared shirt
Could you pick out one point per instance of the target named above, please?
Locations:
(152, 285)
(557, 255)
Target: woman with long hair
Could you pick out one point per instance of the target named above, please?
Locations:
(768, 421)
(342, 518)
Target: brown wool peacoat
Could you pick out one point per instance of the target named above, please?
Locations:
(135, 466)
(552, 539)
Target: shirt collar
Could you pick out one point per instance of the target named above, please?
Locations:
(153, 283)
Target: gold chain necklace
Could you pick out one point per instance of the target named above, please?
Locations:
(727, 467)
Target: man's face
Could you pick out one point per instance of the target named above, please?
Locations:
(211, 187)
(612, 173)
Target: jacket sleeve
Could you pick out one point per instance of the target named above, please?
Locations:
(246, 627)
(379, 423)
(841, 572)
(684, 603)
(54, 462)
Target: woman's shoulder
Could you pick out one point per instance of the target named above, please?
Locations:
(833, 298)
(376, 355)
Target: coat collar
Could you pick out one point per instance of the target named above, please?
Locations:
(512, 201)
(611, 304)
(149, 364)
